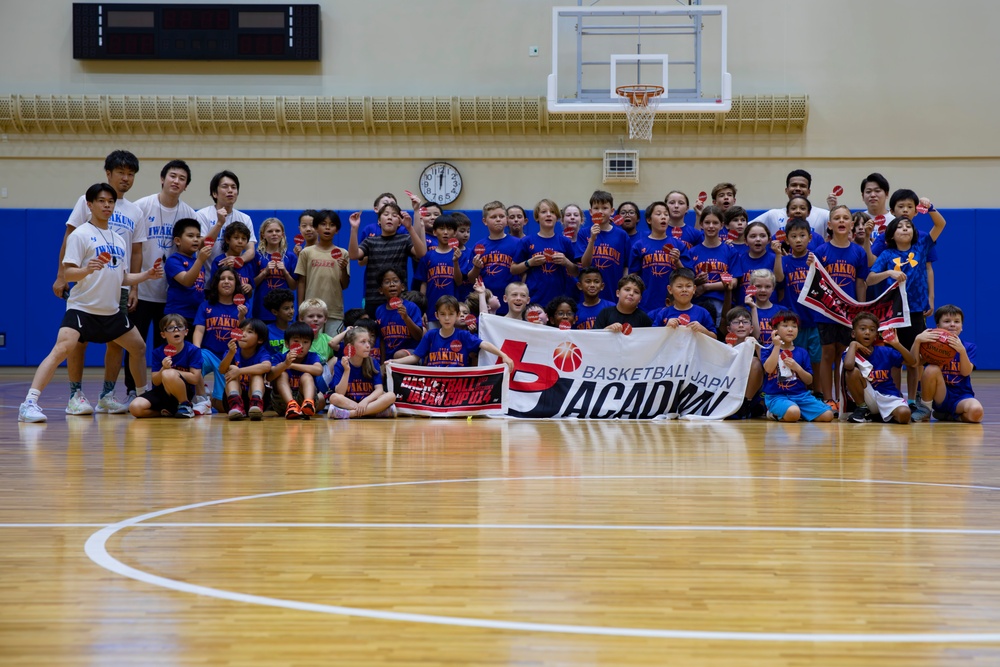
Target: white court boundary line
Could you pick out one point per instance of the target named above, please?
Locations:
(96, 550)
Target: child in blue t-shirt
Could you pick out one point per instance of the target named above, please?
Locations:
(682, 312)
(245, 370)
(602, 245)
(761, 253)
(213, 324)
(868, 372)
(449, 347)
(493, 256)
(176, 374)
(740, 328)
(847, 265)
(948, 386)
(185, 272)
(788, 375)
(235, 239)
(908, 252)
(275, 264)
(758, 302)
(545, 258)
(711, 260)
(591, 285)
(440, 269)
(654, 257)
(356, 387)
(677, 207)
(294, 375)
(795, 267)
(400, 327)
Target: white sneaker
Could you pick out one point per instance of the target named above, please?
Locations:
(79, 405)
(31, 413)
(388, 413)
(338, 413)
(202, 405)
(108, 404)
(131, 396)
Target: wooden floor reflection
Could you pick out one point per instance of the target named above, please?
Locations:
(573, 543)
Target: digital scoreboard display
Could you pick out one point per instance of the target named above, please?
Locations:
(129, 31)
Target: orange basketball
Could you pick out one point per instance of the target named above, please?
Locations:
(937, 353)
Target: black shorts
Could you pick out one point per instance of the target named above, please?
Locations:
(834, 334)
(908, 334)
(97, 328)
(160, 400)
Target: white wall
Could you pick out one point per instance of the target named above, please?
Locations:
(897, 86)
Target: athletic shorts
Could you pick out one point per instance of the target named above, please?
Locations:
(882, 404)
(97, 328)
(951, 401)
(917, 326)
(808, 339)
(832, 334)
(160, 400)
(809, 406)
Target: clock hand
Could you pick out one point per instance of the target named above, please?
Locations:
(441, 179)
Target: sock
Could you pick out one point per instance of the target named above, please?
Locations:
(926, 404)
(109, 388)
(257, 394)
(33, 395)
(74, 387)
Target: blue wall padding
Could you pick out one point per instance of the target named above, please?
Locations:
(31, 313)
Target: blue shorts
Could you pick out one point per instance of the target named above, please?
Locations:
(951, 401)
(809, 406)
(808, 339)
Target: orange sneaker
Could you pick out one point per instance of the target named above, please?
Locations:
(308, 408)
(293, 411)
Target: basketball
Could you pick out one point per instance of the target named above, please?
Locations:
(937, 353)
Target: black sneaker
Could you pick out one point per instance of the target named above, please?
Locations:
(861, 415)
(943, 416)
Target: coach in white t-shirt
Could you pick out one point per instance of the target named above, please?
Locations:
(225, 190)
(96, 259)
(127, 221)
(798, 183)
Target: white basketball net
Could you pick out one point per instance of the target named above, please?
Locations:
(640, 104)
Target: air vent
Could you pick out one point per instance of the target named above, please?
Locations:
(621, 166)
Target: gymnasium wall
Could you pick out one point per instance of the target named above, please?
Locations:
(895, 86)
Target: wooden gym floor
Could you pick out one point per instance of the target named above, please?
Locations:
(495, 542)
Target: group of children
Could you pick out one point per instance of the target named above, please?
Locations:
(267, 323)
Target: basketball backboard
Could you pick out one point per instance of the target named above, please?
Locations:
(679, 47)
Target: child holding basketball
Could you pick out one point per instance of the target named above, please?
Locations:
(176, 374)
(245, 365)
(946, 389)
(276, 262)
(295, 374)
(357, 382)
(788, 374)
(447, 346)
(868, 371)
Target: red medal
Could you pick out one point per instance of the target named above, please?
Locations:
(837, 191)
(299, 239)
(684, 319)
(169, 350)
(780, 235)
(889, 335)
(532, 317)
(470, 321)
(237, 263)
(734, 235)
(921, 208)
(236, 334)
(785, 354)
(703, 196)
(336, 253)
(480, 250)
(751, 290)
(549, 254)
(726, 277)
(564, 325)
(239, 299)
(731, 339)
(104, 257)
(275, 256)
(453, 243)
(617, 220)
(349, 350)
(296, 349)
(395, 302)
(626, 328)
(208, 242)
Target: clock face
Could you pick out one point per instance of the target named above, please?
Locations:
(440, 183)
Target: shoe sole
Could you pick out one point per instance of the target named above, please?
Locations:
(32, 421)
(84, 413)
(256, 414)
(236, 416)
(105, 411)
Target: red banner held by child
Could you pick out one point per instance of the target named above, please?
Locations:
(821, 293)
(449, 392)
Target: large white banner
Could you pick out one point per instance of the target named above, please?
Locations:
(655, 373)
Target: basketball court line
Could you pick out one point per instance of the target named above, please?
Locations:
(96, 550)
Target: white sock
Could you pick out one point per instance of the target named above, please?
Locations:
(33, 395)
(926, 404)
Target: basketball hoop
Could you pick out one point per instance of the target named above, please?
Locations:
(640, 104)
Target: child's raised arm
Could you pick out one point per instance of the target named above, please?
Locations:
(494, 350)
(936, 218)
